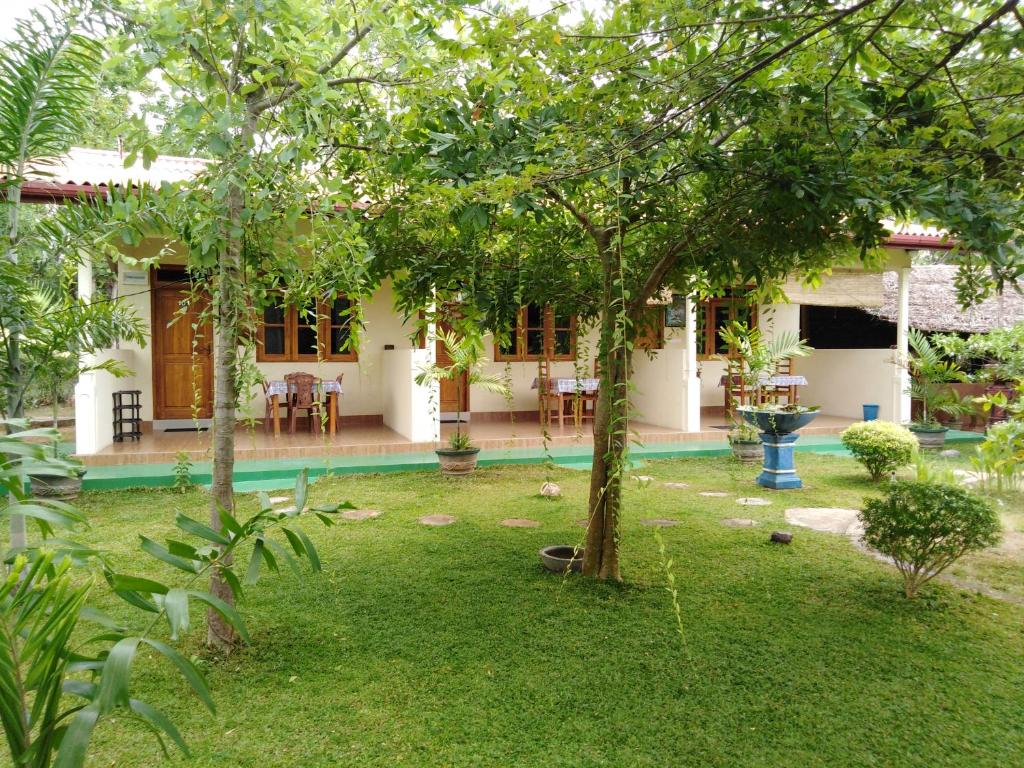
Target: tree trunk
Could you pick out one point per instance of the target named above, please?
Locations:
(227, 301)
(601, 558)
(15, 390)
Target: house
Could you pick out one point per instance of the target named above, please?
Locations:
(677, 392)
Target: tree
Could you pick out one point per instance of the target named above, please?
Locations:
(665, 146)
(287, 98)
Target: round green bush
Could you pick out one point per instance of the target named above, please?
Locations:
(881, 446)
(926, 526)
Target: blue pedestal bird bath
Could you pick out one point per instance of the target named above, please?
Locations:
(778, 433)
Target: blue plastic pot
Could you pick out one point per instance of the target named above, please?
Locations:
(870, 411)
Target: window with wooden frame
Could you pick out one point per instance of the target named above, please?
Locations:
(650, 331)
(714, 315)
(539, 329)
(293, 334)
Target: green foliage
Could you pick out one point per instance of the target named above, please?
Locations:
(999, 460)
(925, 527)
(39, 618)
(881, 446)
(465, 349)
(743, 431)
(182, 471)
(930, 376)
(24, 451)
(994, 356)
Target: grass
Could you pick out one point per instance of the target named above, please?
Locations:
(449, 646)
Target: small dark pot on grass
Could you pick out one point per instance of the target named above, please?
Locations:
(929, 437)
(559, 557)
(56, 486)
(748, 452)
(457, 463)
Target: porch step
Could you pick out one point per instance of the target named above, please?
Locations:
(282, 472)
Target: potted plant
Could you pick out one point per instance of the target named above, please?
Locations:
(746, 443)
(466, 352)
(931, 379)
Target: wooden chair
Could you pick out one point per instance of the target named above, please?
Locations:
(303, 395)
(548, 402)
(781, 394)
(736, 391)
(587, 403)
(337, 397)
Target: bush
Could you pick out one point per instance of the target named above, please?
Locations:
(999, 460)
(881, 446)
(925, 527)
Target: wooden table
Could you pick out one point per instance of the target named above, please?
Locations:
(569, 389)
(332, 390)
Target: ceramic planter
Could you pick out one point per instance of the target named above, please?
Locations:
(457, 463)
(929, 437)
(559, 558)
(748, 452)
(778, 433)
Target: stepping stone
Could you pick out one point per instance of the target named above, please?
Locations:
(738, 522)
(583, 522)
(781, 537)
(950, 453)
(643, 478)
(753, 501)
(659, 522)
(278, 499)
(826, 519)
(436, 520)
(677, 486)
(713, 494)
(520, 522)
(285, 509)
(360, 514)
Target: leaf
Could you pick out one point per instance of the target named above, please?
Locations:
(196, 528)
(301, 489)
(252, 575)
(187, 669)
(225, 609)
(160, 553)
(314, 558)
(75, 742)
(176, 610)
(160, 721)
(116, 674)
(122, 583)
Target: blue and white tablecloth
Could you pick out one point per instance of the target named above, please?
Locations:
(778, 380)
(280, 388)
(569, 386)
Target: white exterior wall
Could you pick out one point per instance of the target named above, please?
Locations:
(139, 358)
(365, 383)
(94, 403)
(522, 374)
(841, 380)
(658, 394)
(409, 409)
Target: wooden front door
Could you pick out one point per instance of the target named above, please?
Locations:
(449, 389)
(182, 356)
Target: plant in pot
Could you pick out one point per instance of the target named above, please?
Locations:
(465, 350)
(745, 443)
(931, 377)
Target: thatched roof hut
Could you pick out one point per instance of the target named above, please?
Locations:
(934, 306)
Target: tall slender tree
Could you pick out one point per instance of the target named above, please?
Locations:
(662, 145)
(289, 99)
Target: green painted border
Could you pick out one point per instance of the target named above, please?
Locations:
(158, 475)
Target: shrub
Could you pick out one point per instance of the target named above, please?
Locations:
(881, 446)
(925, 527)
(999, 460)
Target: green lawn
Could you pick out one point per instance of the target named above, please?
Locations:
(450, 647)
